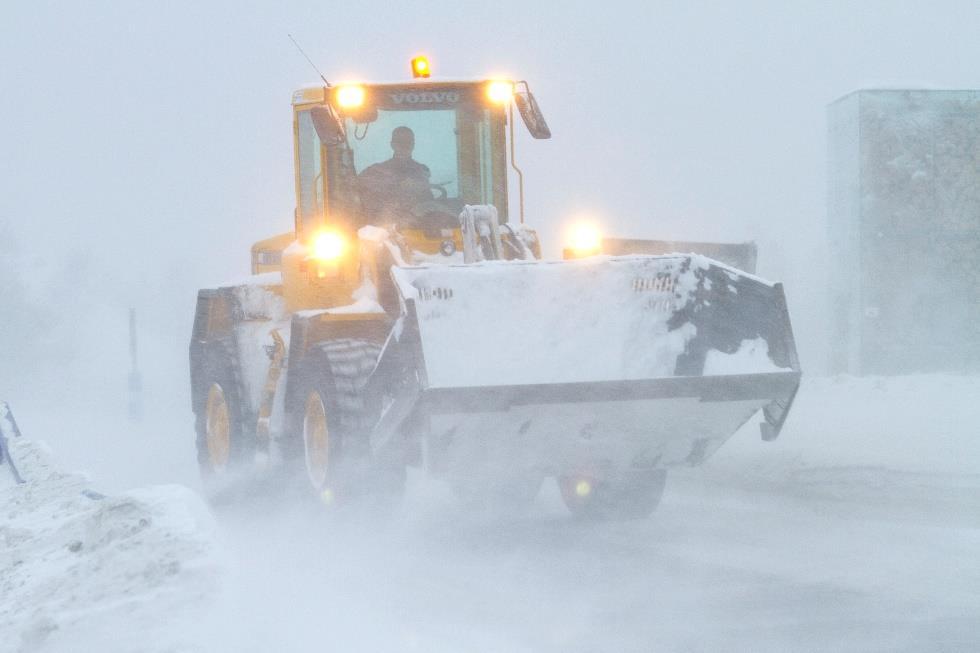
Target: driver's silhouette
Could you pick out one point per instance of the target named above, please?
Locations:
(393, 187)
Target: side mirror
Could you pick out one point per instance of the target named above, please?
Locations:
(531, 113)
(328, 125)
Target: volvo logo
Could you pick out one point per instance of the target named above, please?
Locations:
(425, 97)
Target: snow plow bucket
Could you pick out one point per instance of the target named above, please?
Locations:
(622, 361)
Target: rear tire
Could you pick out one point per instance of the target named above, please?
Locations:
(319, 450)
(631, 495)
(222, 442)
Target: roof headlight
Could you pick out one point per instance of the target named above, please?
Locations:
(350, 96)
(500, 92)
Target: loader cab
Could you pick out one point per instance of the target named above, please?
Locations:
(459, 146)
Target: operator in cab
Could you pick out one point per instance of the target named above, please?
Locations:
(390, 189)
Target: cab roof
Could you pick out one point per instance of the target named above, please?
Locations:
(315, 93)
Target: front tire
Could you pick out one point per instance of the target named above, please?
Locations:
(332, 420)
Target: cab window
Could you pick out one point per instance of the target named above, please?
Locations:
(310, 161)
(435, 143)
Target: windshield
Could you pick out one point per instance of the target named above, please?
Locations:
(416, 158)
(435, 143)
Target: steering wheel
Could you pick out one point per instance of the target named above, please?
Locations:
(441, 192)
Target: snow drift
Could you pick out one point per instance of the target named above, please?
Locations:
(77, 566)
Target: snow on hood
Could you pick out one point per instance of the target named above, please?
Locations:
(73, 563)
(260, 303)
(373, 234)
(263, 279)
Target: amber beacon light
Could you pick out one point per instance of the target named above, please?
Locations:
(420, 67)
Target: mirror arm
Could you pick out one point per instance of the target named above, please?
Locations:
(335, 125)
(513, 161)
(340, 124)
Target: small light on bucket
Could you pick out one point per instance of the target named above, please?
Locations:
(585, 239)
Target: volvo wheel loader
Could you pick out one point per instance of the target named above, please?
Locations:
(408, 319)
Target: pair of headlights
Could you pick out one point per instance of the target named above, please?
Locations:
(330, 245)
(352, 96)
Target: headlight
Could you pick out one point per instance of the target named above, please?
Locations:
(350, 96)
(585, 239)
(329, 246)
(500, 92)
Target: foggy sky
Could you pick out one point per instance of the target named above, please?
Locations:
(147, 145)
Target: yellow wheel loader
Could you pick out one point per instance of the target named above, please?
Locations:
(409, 320)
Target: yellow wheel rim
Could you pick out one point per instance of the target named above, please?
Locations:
(316, 440)
(218, 428)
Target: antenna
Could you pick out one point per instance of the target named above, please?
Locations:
(308, 59)
(135, 379)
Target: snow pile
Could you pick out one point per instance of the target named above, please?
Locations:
(596, 319)
(752, 357)
(76, 565)
(263, 280)
(365, 299)
(379, 237)
(257, 298)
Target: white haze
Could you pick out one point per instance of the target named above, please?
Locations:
(145, 146)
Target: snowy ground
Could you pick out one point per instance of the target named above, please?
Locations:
(84, 571)
(858, 530)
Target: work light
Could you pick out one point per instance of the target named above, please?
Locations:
(500, 92)
(350, 96)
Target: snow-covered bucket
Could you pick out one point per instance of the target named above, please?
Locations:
(634, 359)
